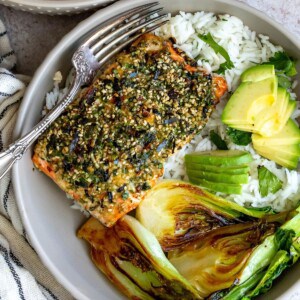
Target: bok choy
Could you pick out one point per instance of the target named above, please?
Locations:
(177, 212)
(214, 262)
(277, 252)
(131, 257)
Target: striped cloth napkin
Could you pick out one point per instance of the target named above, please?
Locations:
(22, 274)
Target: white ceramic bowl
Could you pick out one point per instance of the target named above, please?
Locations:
(48, 219)
(55, 7)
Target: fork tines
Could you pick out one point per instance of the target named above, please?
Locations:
(124, 29)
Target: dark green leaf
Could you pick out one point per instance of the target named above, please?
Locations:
(218, 141)
(282, 62)
(224, 66)
(284, 239)
(239, 291)
(279, 263)
(208, 39)
(239, 137)
(268, 182)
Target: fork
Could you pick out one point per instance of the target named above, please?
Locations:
(95, 51)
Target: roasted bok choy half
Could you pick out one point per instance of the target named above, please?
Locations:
(178, 212)
(131, 257)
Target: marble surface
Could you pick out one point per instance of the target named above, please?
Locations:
(33, 36)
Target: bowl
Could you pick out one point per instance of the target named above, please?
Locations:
(45, 210)
(55, 7)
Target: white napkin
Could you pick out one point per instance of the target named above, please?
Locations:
(22, 274)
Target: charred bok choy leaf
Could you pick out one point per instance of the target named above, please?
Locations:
(239, 261)
(131, 257)
(177, 212)
(275, 254)
(213, 263)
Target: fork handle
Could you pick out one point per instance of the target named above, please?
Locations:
(16, 150)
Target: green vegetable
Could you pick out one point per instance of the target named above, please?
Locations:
(274, 255)
(268, 182)
(284, 238)
(208, 39)
(221, 158)
(279, 263)
(239, 291)
(132, 259)
(283, 64)
(217, 140)
(284, 81)
(239, 137)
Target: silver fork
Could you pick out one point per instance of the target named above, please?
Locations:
(87, 59)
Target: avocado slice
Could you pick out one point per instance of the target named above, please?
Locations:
(290, 134)
(292, 149)
(273, 120)
(290, 109)
(243, 127)
(226, 188)
(219, 177)
(258, 73)
(289, 161)
(220, 157)
(249, 99)
(232, 170)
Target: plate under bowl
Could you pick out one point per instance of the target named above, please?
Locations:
(46, 214)
(55, 7)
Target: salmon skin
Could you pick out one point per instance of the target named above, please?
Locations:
(109, 146)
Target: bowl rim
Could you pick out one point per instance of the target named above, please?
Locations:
(77, 32)
(58, 4)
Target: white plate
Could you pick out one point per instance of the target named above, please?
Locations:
(55, 7)
(48, 219)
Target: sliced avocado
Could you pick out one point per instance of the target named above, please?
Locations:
(292, 149)
(275, 125)
(284, 95)
(273, 120)
(290, 134)
(220, 157)
(242, 127)
(289, 161)
(249, 99)
(226, 188)
(219, 177)
(286, 149)
(258, 73)
(240, 169)
(290, 109)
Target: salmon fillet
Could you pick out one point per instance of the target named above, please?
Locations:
(109, 146)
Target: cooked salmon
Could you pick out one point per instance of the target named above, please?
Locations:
(109, 146)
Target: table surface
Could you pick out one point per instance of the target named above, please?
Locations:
(33, 36)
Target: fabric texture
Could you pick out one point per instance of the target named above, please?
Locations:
(22, 274)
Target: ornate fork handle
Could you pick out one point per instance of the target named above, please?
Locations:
(16, 150)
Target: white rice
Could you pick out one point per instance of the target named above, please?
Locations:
(245, 48)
